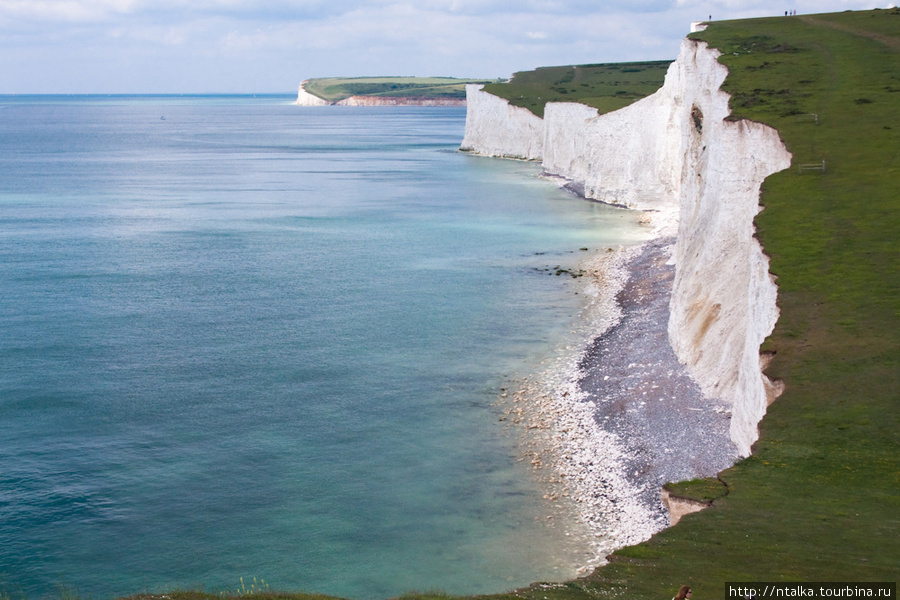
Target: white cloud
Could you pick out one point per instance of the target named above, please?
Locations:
(64, 10)
(270, 45)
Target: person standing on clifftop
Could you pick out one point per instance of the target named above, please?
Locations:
(684, 593)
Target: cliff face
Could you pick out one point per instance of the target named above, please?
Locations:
(496, 128)
(304, 98)
(673, 152)
(724, 299)
(628, 157)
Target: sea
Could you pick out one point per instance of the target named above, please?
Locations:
(246, 344)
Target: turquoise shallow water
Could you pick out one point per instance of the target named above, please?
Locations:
(245, 339)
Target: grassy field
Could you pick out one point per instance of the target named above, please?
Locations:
(819, 500)
(337, 88)
(606, 87)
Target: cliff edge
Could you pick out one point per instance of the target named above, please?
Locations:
(677, 153)
(304, 98)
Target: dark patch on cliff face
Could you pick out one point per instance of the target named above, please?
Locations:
(575, 187)
(645, 396)
(697, 118)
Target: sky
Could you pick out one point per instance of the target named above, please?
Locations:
(270, 46)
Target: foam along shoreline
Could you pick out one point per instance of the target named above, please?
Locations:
(672, 388)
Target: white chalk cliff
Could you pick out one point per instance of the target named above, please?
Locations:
(496, 128)
(304, 98)
(675, 152)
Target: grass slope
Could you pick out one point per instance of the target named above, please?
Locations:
(606, 87)
(337, 88)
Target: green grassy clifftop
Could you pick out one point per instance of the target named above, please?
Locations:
(606, 87)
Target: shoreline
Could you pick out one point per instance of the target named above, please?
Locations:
(612, 421)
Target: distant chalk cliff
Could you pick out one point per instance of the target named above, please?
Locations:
(674, 152)
(304, 98)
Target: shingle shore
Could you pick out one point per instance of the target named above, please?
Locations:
(608, 426)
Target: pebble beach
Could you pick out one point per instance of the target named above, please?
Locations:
(610, 422)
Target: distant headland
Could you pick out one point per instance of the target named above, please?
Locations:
(386, 91)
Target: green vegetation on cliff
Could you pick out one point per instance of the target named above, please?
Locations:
(606, 87)
(334, 89)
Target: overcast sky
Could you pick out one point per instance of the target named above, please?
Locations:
(262, 46)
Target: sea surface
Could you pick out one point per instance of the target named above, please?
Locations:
(240, 338)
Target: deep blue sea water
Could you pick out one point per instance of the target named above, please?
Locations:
(240, 338)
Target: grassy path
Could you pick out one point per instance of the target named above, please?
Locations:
(887, 40)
